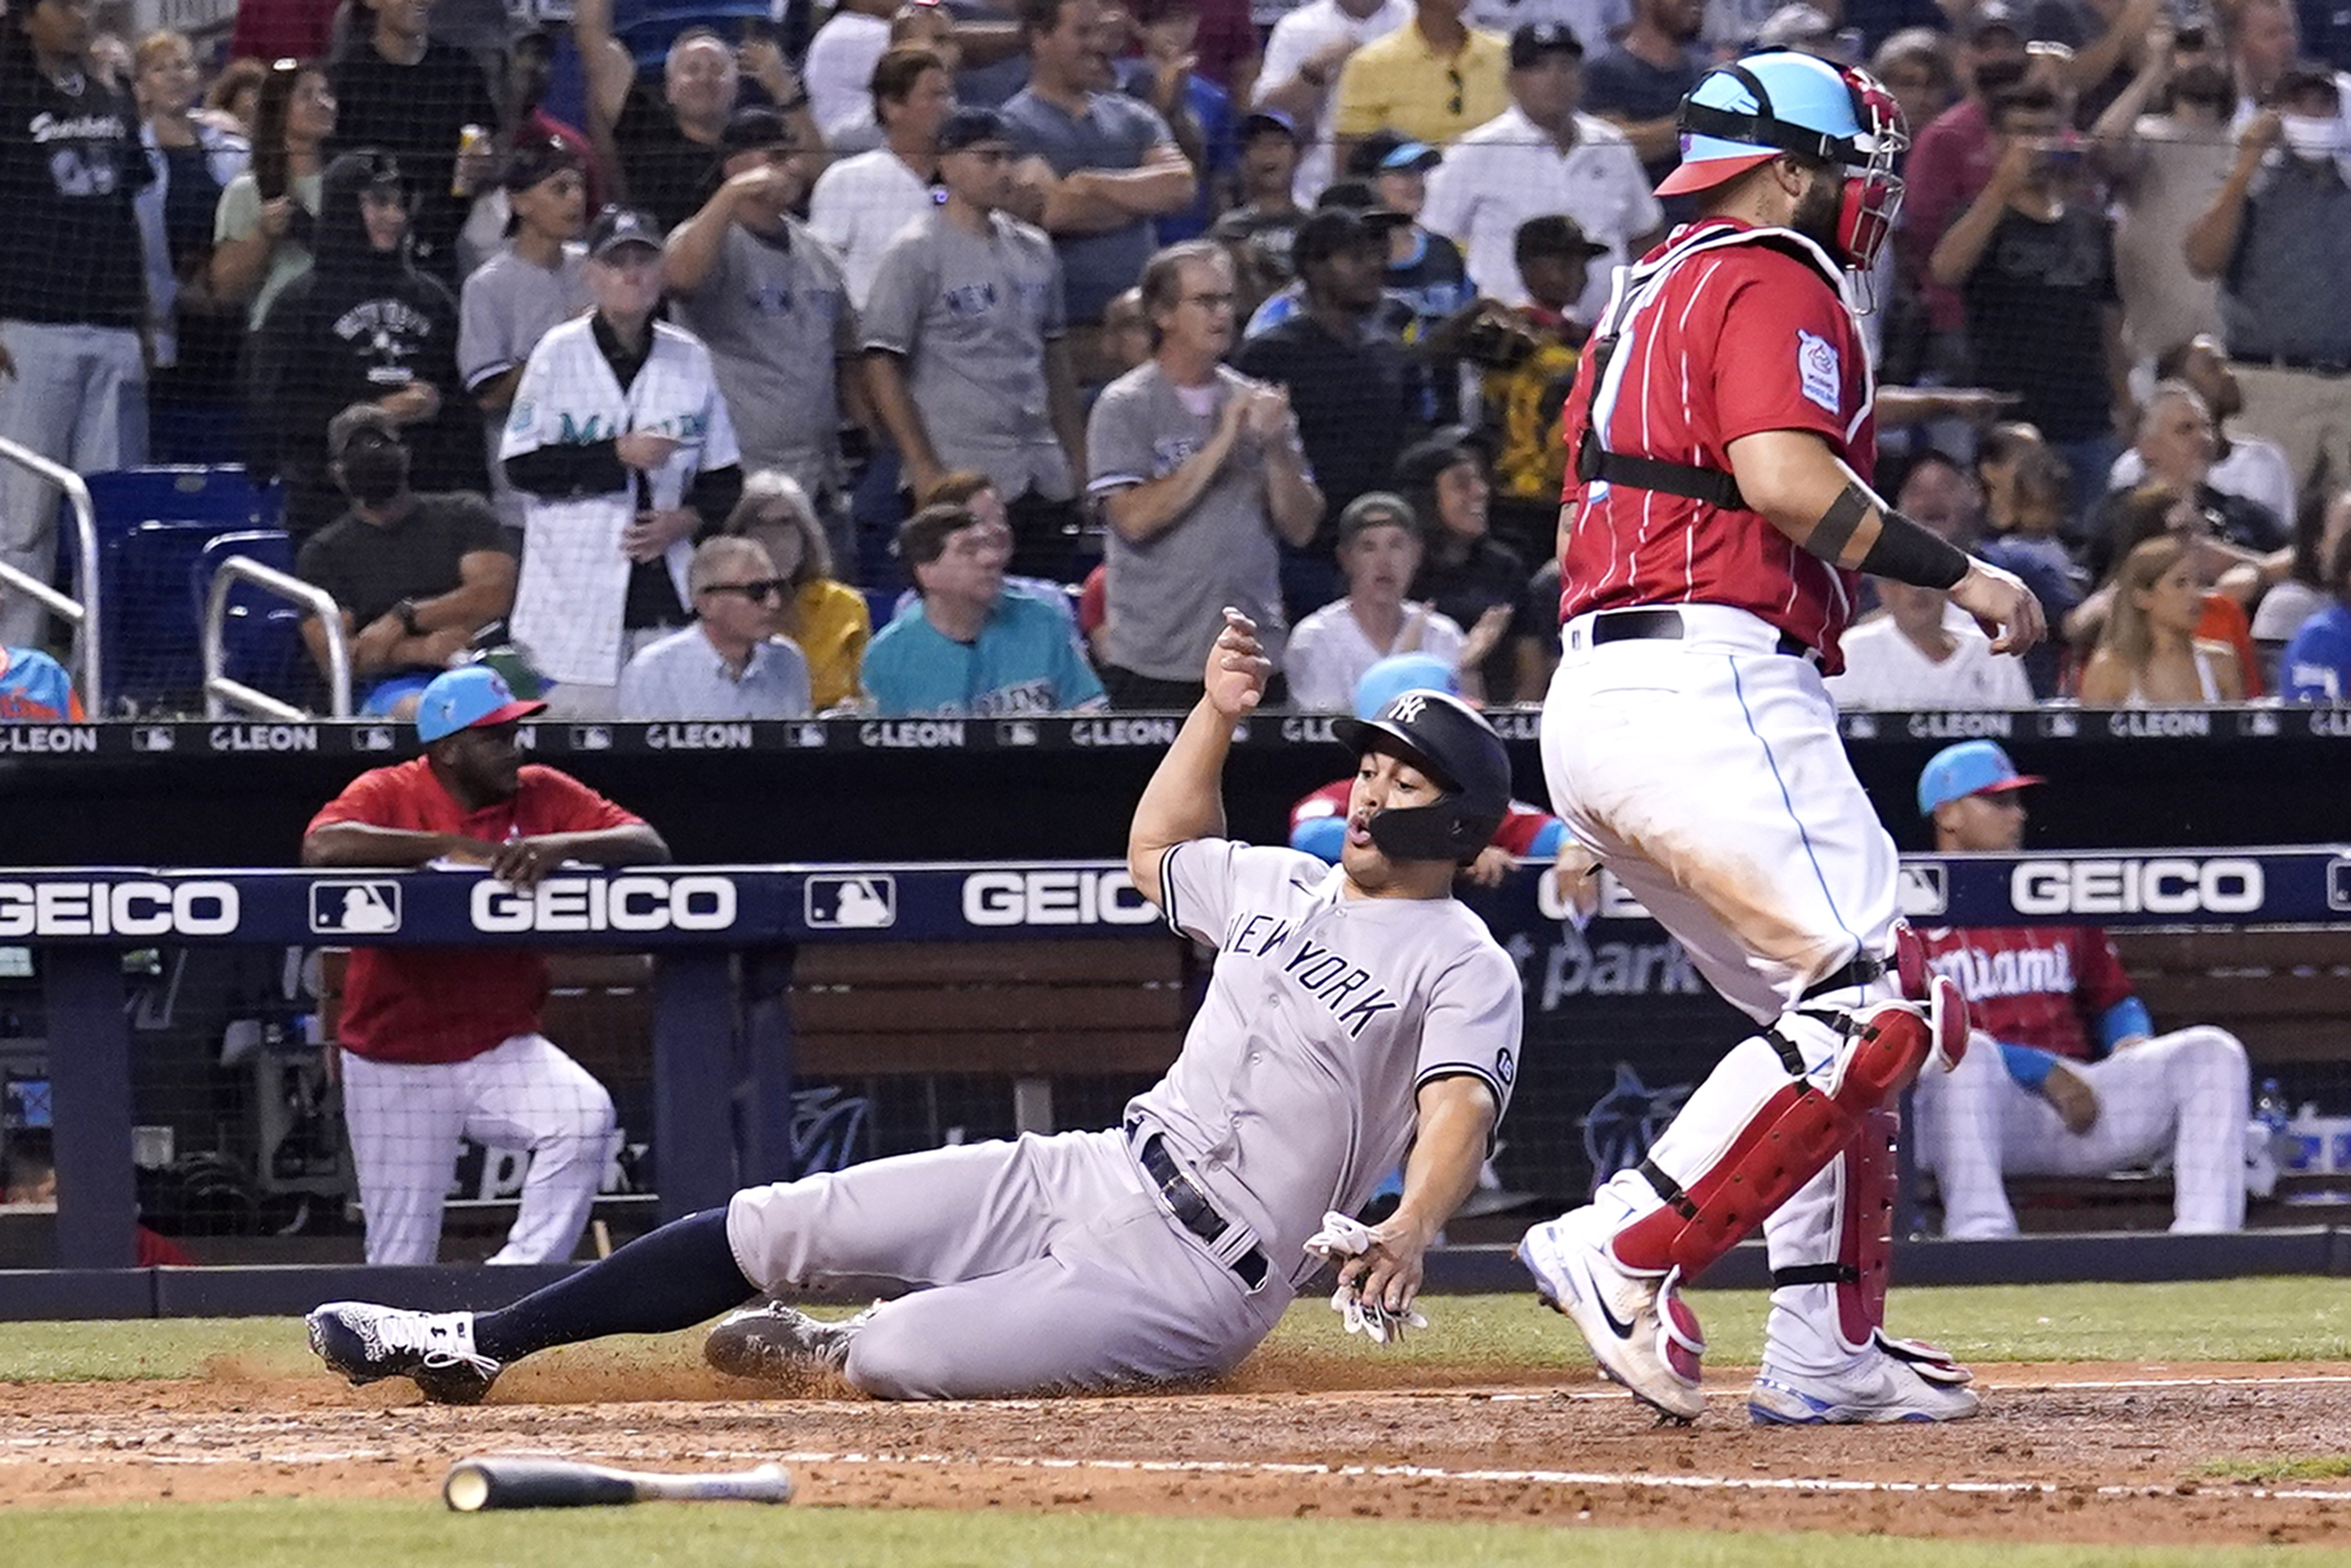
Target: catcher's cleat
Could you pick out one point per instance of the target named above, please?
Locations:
(1640, 1331)
(773, 1341)
(1893, 1380)
(435, 1350)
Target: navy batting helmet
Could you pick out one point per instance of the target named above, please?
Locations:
(1446, 738)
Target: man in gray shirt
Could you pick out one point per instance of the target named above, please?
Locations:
(770, 299)
(1098, 166)
(538, 280)
(1196, 468)
(729, 664)
(964, 352)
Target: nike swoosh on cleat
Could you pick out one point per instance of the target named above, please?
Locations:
(1622, 1328)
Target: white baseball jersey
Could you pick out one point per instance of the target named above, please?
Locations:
(575, 579)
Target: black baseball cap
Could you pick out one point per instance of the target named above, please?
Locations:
(361, 418)
(970, 127)
(1991, 15)
(1357, 197)
(618, 226)
(1329, 232)
(1385, 152)
(1257, 121)
(535, 162)
(1555, 234)
(1533, 40)
(1422, 461)
(755, 129)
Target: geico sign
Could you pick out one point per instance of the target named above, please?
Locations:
(117, 909)
(2229, 886)
(1054, 898)
(593, 903)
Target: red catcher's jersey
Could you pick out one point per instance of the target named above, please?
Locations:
(1722, 331)
(2043, 985)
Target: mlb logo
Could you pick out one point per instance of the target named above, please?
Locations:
(851, 903)
(590, 738)
(372, 737)
(2260, 721)
(152, 737)
(339, 908)
(2060, 725)
(2338, 885)
(808, 736)
(1860, 727)
(1921, 893)
(1016, 732)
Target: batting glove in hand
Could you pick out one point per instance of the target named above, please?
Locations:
(1342, 1238)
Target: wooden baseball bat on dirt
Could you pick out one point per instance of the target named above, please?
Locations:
(512, 1480)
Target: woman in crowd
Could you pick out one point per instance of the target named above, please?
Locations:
(2148, 653)
(2303, 593)
(261, 232)
(193, 336)
(236, 95)
(1466, 573)
(827, 618)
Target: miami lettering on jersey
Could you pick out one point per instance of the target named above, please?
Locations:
(1327, 977)
(1982, 974)
(2042, 986)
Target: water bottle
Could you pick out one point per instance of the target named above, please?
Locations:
(2270, 1110)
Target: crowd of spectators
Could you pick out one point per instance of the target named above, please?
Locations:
(966, 356)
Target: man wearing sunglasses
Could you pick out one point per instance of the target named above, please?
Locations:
(730, 663)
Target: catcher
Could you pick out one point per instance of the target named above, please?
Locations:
(1356, 1012)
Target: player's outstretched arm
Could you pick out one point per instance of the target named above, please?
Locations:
(1185, 799)
(1804, 489)
(1457, 1120)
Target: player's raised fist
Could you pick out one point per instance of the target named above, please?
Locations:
(1237, 667)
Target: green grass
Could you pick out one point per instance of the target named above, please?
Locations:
(394, 1534)
(2275, 1471)
(2289, 1319)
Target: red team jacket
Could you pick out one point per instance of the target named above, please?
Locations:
(2043, 985)
(1742, 336)
(449, 1004)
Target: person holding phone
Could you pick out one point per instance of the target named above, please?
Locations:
(2035, 263)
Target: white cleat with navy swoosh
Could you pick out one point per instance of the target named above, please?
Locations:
(1640, 1331)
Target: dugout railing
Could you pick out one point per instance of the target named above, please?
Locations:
(723, 1060)
(225, 698)
(85, 616)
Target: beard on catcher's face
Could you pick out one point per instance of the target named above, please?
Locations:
(1820, 209)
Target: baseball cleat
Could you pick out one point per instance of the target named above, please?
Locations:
(1641, 1332)
(435, 1350)
(773, 1341)
(1894, 1380)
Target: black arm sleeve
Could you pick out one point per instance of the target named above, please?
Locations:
(714, 493)
(561, 473)
(1906, 553)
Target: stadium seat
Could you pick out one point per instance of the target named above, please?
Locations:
(262, 634)
(152, 526)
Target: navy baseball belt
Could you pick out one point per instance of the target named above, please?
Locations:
(1638, 625)
(1190, 1206)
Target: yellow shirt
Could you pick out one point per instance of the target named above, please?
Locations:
(832, 629)
(1400, 82)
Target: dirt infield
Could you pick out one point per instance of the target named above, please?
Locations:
(2087, 1453)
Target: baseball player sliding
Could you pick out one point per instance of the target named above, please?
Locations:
(1721, 425)
(1357, 1016)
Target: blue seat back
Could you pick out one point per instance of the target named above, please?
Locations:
(153, 525)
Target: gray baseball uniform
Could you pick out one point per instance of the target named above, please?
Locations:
(506, 306)
(970, 315)
(1165, 589)
(776, 314)
(1165, 1249)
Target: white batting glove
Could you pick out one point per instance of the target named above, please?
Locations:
(1343, 1237)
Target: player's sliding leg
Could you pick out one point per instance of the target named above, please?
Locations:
(672, 1279)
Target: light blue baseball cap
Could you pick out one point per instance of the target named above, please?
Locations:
(1970, 767)
(1398, 673)
(467, 698)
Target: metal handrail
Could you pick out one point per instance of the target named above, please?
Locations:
(220, 691)
(83, 614)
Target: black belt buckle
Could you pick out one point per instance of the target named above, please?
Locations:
(1192, 1208)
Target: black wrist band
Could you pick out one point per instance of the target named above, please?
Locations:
(1906, 553)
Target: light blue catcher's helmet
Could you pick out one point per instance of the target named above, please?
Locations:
(1751, 111)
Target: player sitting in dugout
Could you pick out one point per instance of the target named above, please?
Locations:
(1318, 822)
(1358, 1016)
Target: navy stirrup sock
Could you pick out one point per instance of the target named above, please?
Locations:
(672, 1279)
